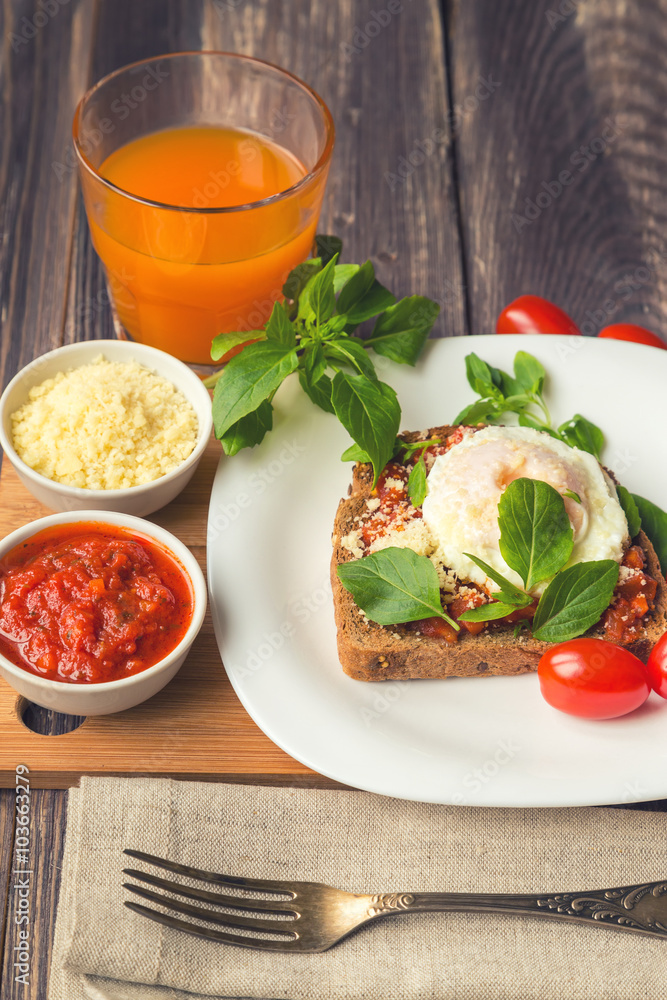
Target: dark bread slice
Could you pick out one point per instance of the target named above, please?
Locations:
(372, 652)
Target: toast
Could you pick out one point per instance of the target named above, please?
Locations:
(372, 652)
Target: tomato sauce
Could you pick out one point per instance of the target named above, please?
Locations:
(90, 602)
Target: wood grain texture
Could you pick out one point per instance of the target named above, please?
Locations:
(47, 834)
(43, 72)
(583, 93)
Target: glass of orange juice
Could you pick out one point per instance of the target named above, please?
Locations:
(203, 175)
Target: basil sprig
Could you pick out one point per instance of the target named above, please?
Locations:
(522, 394)
(654, 522)
(313, 334)
(396, 585)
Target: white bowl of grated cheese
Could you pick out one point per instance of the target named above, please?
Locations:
(105, 425)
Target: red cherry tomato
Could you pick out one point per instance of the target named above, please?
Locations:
(657, 667)
(634, 333)
(593, 678)
(531, 314)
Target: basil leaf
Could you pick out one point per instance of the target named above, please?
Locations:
(654, 523)
(328, 246)
(402, 330)
(487, 612)
(317, 300)
(482, 411)
(299, 277)
(333, 326)
(354, 454)
(342, 274)
(417, 483)
(572, 495)
(483, 379)
(370, 413)
(574, 600)
(226, 341)
(581, 433)
(279, 327)
(536, 537)
(530, 374)
(314, 362)
(249, 430)
(319, 392)
(351, 351)
(394, 585)
(508, 593)
(376, 300)
(356, 287)
(630, 509)
(248, 379)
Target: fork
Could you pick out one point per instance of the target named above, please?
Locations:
(314, 917)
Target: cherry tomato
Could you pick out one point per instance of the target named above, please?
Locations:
(593, 679)
(532, 314)
(630, 331)
(657, 667)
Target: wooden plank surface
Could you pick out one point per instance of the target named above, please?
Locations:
(581, 93)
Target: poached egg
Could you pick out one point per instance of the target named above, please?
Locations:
(466, 483)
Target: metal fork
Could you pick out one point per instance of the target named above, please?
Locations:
(319, 916)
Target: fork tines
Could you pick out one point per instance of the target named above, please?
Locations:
(278, 907)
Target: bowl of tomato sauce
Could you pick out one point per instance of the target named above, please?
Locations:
(98, 610)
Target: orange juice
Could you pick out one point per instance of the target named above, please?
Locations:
(184, 270)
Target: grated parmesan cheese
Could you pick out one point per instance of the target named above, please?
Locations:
(412, 535)
(352, 543)
(105, 425)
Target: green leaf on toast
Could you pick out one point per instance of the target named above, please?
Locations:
(536, 537)
(508, 593)
(488, 612)
(248, 379)
(249, 430)
(226, 341)
(402, 330)
(417, 483)
(654, 525)
(581, 433)
(369, 411)
(630, 509)
(394, 585)
(575, 600)
(354, 454)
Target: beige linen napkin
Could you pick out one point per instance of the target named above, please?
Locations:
(363, 843)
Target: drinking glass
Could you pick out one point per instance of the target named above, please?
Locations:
(178, 274)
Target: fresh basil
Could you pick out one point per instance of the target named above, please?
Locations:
(248, 379)
(508, 593)
(328, 246)
(574, 600)
(342, 274)
(318, 392)
(279, 327)
(297, 280)
(402, 330)
(355, 289)
(571, 495)
(654, 524)
(317, 300)
(536, 537)
(488, 612)
(355, 454)
(249, 430)
(529, 373)
(350, 351)
(581, 433)
(370, 413)
(417, 483)
(226, 341)
(394, 585)
(630, 509)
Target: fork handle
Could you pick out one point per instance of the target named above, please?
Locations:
(640, 908)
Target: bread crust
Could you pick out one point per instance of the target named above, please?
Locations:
(372, 652)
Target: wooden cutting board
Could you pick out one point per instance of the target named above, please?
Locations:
(194, 728)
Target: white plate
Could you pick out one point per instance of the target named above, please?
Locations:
(477, 741)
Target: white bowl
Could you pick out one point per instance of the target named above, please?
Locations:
(109, 696)
(139, 500)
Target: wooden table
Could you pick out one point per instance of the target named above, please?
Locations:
(455, 124)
